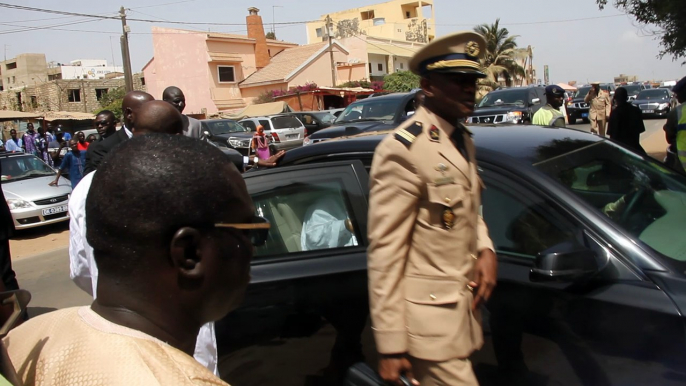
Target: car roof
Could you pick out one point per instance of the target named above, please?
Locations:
(218, 120)
(397, 95)
(7, 154)
(527, 143)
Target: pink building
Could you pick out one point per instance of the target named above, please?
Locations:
(224, 72)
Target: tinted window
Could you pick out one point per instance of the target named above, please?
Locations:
(307, 216)
(20, 168)
(653, 94)
(370, 110)
(265, 124)
(507, 97)
(224, 127)
(632, 89)
(286, 122)
(307, 119)
(637, 193)
(582, 92)
(249, 125)
(325, 117)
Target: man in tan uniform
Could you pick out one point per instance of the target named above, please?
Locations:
(599, 111)
(431, 261)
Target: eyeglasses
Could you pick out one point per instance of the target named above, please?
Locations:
(257, 230)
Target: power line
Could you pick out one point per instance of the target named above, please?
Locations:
(29, 28)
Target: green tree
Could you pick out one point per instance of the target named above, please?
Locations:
(271, 35)
(500, 57)
(401, 81)
(669, 16)
(112, 101)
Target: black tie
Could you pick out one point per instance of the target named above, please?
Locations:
(458, 140)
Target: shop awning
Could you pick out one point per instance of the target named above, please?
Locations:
(67, 115)
(260, 110)
(10, 115)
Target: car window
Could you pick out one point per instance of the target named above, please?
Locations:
(653, 94)
(326, 117)
(370, 110)
(314, 208)
(20, 168)
(506, 97)
(521, 224)
(250, 125)
(224, 127)
(307, 119)
(287, 122)
(639, 194)
(265, 124)
(582, 92)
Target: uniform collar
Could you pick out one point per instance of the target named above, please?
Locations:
(445, 126)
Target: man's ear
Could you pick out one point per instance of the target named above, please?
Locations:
(425, 84)
(185, 252)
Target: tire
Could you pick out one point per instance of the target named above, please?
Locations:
(571, 120)
(586, 120)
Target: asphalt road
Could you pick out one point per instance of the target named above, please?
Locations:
(652, 140)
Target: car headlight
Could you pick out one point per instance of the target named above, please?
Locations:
(663, 106)
(514, 116)
(570, 104)
(14, 203)
(235, 142)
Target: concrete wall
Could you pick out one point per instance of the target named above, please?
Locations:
(181, 60)
(30, 69)
(319, 70)
(351, 72)
(251, 93)
(376, 60)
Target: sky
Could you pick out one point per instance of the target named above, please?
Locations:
(578, 42)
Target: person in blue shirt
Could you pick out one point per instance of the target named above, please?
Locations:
(75, 160)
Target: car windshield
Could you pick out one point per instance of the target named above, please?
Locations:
(24, 167)
(632, 89)
(653, 94)
(581, 92)
(511, 97)
(224, 127)
(639, 194)
(370, 110)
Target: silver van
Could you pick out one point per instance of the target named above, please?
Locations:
(286, 131)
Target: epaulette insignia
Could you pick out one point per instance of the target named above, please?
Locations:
(409, 134)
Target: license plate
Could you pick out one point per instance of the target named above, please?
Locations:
(648, 111)
(292, 136)
(55, 209)
(584, 115)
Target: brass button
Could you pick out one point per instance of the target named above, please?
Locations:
(473, 256)
(432, 296)
(470, 288)
(447, 199)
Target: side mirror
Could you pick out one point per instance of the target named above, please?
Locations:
(535, 101)
(206, 134)
(565, 262)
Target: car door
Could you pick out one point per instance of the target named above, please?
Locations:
(612, 328)
(311, 123)
(306, 306)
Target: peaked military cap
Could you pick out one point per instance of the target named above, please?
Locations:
(455, 53)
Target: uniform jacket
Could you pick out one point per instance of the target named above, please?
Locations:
(418, 267)
(600, 105)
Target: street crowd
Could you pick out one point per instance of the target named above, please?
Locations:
(164, 245)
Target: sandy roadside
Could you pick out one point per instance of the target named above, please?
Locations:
(34, 241)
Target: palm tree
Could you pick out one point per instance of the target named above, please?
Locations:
(501, 56)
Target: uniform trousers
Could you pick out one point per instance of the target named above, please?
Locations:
(598, 126)
(452, 372)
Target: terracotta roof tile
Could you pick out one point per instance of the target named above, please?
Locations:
(283, 64)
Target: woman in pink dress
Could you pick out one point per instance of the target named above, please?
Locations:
(260, 143)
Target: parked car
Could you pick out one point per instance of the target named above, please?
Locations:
(655, 102)
(227, 133)
(577, 108)
(335, 112)
(367, 115)
(509, 105)
(314, 120)
(633, 90)
(583, 298)
(32, 202)
(286, 131)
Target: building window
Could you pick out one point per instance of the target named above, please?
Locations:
(34, 101)
(74, 95)
(380, 66)
(370, 68)
(407, 14)
(142, 81)
(366, 15)
(11, 66)
(14, 80)
(226, 74)
(100, 92)
(379, 21)
(401, 66)
(319, 32)
(399, 30)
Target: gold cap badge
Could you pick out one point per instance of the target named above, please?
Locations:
(472, 48)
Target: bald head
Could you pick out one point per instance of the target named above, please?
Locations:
(132, 101)
(157, 117)
(174, 95)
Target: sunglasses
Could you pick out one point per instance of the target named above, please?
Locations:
(257, 230)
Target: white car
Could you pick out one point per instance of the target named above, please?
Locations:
(286, 131)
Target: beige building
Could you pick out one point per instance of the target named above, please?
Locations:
(624, 79)
(22, 71)
(400, 20)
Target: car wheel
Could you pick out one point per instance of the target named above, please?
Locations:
(586, 120)
(571, 120)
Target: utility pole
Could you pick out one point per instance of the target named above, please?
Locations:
(126, 58)
(329, 33)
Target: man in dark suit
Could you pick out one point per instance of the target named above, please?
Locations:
(98, 150)
(191, 126)
(9, 278)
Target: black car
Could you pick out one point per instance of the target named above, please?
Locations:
(509, 105)
(369, 114)
(655, 102)
(227, 133)
(591, 283)
(314, 120)
(577, 108)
